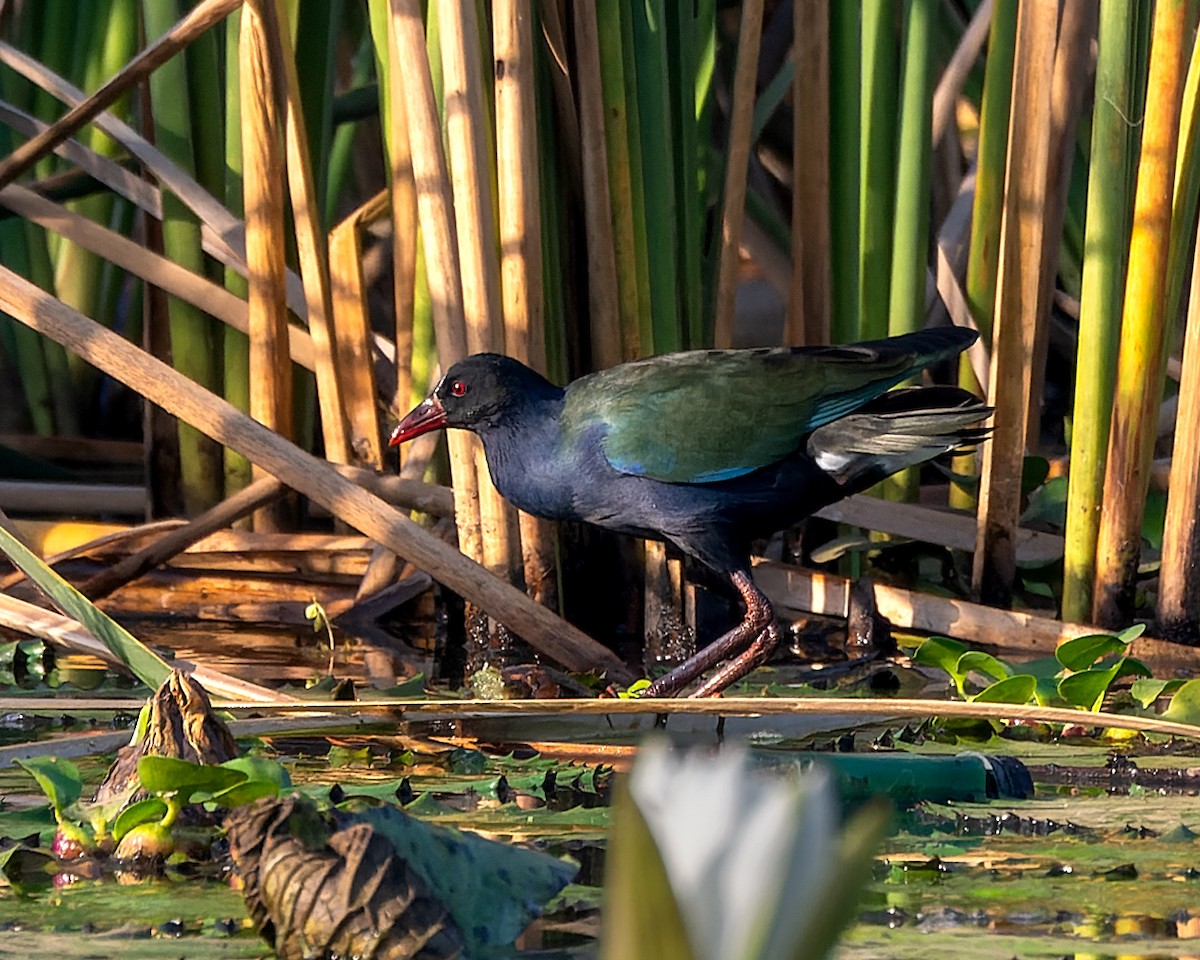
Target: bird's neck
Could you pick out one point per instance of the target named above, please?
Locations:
(523, 454)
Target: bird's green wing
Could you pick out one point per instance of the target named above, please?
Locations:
(710, 415)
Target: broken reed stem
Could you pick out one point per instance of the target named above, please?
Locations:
(352, 332)
(737, 158)
(261, 492)
(759, 706)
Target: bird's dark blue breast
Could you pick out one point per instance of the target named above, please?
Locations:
(569, 478)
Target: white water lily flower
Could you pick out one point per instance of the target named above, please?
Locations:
(745, 853)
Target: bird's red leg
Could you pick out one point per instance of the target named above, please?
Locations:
(751, 641)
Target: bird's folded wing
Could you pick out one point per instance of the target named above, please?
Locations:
(707, 416)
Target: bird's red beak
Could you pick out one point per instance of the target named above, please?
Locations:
(427, 415)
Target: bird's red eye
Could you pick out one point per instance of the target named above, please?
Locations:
(458, 388)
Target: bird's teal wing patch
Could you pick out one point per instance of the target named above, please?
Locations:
(710, 415)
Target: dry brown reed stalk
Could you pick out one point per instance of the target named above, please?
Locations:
(737, 156)
(435, 209)
(266, 242)
(604, 316)
(809, 297)
(468, 141)
(1072, 64)
(404, 227)
(311, 247)
(1018, 288)
(519, 190)
(1179, 587)
(146, 265)
(352, 335)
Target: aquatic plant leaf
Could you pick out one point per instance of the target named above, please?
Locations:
(1080, 653)
(172, 775)
(940, 652)
(144, 663)
(1146, 691)
(1046, 691)
(976, 661)
(492, 890)
(23, 822)
(1048, 504)
(1087, 688)
(261, 768)
(1016, 689)
(1185, 704)
(24, 867)
(245, 792)
(144, 811)
(58, 778)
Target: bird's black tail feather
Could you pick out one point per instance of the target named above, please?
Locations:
(900, 429)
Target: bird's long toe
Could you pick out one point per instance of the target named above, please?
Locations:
(755, 655)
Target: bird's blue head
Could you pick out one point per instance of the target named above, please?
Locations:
(475, 393)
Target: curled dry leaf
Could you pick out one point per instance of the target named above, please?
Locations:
(346, 893)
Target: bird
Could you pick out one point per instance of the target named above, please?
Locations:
(708, 450)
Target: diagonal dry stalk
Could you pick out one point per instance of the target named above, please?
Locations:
(314, 478)
(202, 17)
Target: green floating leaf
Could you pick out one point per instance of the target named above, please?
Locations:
(1081, 653)
(1185, 705)
(1048, 504)
(134, 815)
(245, 792)
(1046, 691)
(1017, 689)
(491, 889)
(1087, 688)
(146, 665)
(940, 652)
(26, 867)
(261, 768)
(171, 775)
(59, 779)
(1034, 471)
(1147, 691)
(976, 661)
